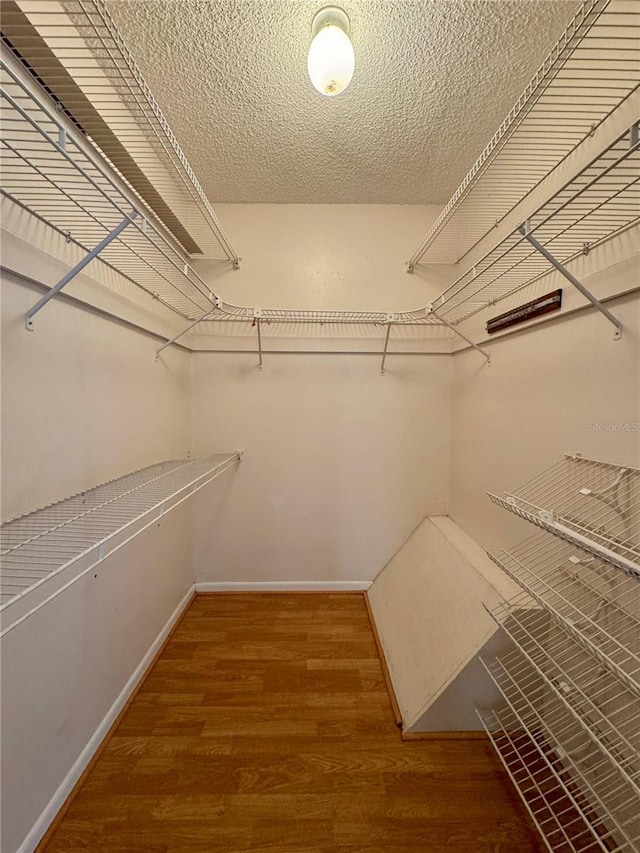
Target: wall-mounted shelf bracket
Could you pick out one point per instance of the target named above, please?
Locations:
(205, 316)
(64, 281)
(525, 230)
(431, 310)
(257, 318)
(390, 319)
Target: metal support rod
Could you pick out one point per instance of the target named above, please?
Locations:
(184, 331)
(28, 320)
(526, 231)
(259, 344)
(460, 335)
(384, 353)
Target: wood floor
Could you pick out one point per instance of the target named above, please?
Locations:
(265, 726)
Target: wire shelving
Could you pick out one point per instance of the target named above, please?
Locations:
(591, 71)
(568, 726)
(56, 173)
(69, 537)
(596, 602)
(75, 49)
(600, 202)
(593, 504)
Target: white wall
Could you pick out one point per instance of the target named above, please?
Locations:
(341, 257)
(83, 400)
(65, 667)
(545, 391)
(341, 463)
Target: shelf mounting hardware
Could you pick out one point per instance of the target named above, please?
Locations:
(525, 230)
(205, 316)
(390, 319)
(430, 310)
(257, 317)
(64, 281)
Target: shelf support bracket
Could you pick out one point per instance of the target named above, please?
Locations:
(64, 281)
(458, 333)
(205, 316)
(390, 318)
(257, 316)
(525, 230)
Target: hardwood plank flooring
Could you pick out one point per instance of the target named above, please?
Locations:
(265, 725)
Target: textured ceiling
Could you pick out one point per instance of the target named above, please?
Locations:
(433, 80)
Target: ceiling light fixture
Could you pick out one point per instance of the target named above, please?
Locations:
(331, 59)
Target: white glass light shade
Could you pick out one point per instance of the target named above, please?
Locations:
(331, 60)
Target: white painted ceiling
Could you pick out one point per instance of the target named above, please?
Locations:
(433, 80)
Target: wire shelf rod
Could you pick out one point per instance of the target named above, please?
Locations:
(538, 688)
(555, 825)
(527, 701)
(594, 504)
(595, 601)
(593, 695)
(576, 829)
(604, 798)
(87, 523)
(593, 76)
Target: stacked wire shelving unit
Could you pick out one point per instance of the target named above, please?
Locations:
(568, 727)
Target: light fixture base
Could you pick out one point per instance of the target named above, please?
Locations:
(330, 16)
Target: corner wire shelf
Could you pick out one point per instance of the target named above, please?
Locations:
(57, 175)
(591, 70)
(592, 504)
(568, 727)
(600, 202)
(75, 48)
(61, 542)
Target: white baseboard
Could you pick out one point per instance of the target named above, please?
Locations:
(57, 801)
(282, 586)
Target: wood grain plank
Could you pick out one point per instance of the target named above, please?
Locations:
(265, 725)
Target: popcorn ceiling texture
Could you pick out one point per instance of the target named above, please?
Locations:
(433, 80)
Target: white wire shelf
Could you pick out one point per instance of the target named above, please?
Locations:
(599, 703)
(75, 49)
(586, 729)
(79, 531)
(561, 807)
(596, 602)
(600, 202)
(592, 504)
(56, 174)
(591, 70)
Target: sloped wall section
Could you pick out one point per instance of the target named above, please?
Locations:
(428, 607)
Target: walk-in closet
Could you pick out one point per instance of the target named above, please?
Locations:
(320, 487)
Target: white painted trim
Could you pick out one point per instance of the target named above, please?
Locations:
(57, 801)
(282, 586)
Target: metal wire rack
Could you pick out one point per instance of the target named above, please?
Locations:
(591, 70)
(81, 530)
(75, 49)
(595, 505)
(600, 202)
(55, 173)
(594, 601)
(581, 718)
(551, 799)
(568, 728)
